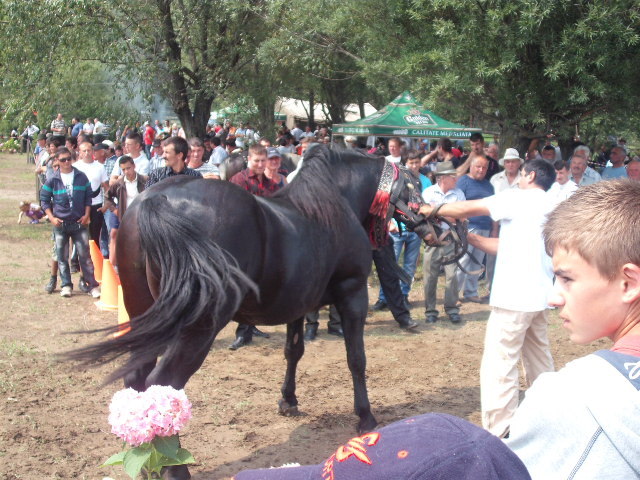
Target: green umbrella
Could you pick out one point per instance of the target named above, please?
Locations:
(404, 117)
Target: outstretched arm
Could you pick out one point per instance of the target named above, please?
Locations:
(468, 208)
(486, 244)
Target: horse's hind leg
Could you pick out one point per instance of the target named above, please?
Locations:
(180, 361)
(293, 351)
(352, 307)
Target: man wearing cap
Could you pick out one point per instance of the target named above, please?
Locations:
(254, 181)
(444, 191)
(175, 154)
(475, 186)
(510, 176)
(156, 160)
(424, 447)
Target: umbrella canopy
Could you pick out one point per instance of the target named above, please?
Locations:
(404, 117)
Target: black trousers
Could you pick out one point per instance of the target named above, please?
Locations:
(384, 258)
(311, 318)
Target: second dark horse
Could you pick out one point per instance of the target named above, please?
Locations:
(195, 254)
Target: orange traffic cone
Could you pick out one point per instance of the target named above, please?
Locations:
(123, 316)
(96, 258)
(110, 281)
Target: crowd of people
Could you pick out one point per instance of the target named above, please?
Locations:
(89, 181)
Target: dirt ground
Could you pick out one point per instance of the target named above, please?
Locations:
(54, 415)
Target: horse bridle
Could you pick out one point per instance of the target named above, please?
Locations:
(429, 226)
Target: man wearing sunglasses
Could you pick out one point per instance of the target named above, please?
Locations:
(66, 199)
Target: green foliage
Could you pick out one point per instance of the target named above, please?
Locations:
(151, 457)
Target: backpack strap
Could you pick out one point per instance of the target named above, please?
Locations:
(627, 365)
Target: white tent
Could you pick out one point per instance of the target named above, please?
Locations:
(293, 109)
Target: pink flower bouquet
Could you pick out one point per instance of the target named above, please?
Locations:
(149, 421)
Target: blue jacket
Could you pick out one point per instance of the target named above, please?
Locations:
(54, 195)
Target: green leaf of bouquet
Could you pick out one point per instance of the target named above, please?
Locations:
(135, 459)
(183, 457)
(116, 459)
(167, 446)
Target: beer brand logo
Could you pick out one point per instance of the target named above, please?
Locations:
(356, 447)
(414, 117)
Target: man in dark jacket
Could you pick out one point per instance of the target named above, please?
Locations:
(66, 199)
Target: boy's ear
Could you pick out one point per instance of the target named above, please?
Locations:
(631, 279)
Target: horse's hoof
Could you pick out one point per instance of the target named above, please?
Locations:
(176, 472)
(287, 410)
(366, 425)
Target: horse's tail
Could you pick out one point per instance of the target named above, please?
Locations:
(197, 277)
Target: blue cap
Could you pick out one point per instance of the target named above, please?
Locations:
(273, 152)
(433, 446)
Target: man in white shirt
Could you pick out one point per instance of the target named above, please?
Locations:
(219, 153)
(97, 175)
(517, 326)
(133, 144)
(297, 132)
(443, 191)
(510, 176)
(395, 150)
(98, 127)
(563, 187)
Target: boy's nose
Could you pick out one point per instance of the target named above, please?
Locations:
(555, 299)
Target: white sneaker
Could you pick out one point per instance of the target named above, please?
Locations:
(95, 292)
(66, 291)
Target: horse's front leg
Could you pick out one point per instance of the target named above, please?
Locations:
(352, 307)
(293, 351)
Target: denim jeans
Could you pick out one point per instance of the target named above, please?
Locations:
(110, 222)
(80, 236)
(411, 243)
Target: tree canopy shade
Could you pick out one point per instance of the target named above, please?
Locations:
(523, 67)
(404, 117)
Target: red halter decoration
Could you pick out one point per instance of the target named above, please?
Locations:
(377, 222)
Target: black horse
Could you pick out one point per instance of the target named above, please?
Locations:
(195, 254)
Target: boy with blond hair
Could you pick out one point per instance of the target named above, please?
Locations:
(583, 422)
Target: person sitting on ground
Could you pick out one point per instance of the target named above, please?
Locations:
(175, 154)
(583, 422)
(424, 447)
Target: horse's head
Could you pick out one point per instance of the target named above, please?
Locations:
(405, 202)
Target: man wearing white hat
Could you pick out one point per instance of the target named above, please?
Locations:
(510, 176)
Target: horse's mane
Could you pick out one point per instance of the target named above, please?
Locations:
(314, 191)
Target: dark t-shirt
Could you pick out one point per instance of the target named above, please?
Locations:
(474, 190)
(492, 169)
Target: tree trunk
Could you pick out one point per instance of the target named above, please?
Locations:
(513, 138)
(312, 106)
(266, 109)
